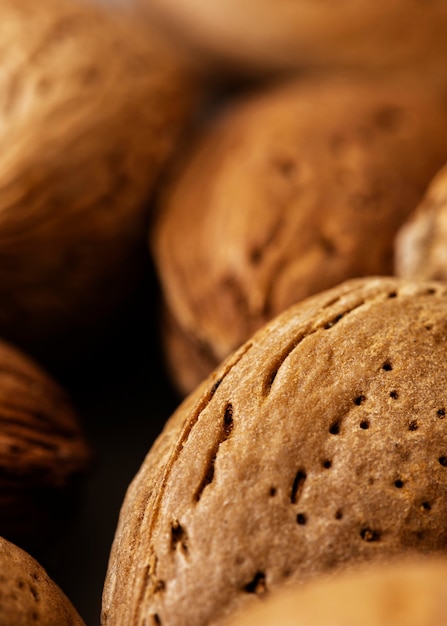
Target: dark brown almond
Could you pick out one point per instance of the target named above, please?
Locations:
(43, 452)
(90, 110)
(262, 35)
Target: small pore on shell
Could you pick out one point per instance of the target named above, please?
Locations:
(256, 256)
(227, 423)
(333, 321)
(297, 486)
(389, 118)
(301, 519)
(178, 537)
(215, 386)
(285, 165)
(226, 429)
(370, 535)
(257, 585)
(160, 586)
(327, 245)
(334, 428)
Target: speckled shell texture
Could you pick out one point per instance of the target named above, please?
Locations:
(421, 243)
(28, 595)
(411, 592)
(320, 443)
(264, 35)
(290, 191)
(89, 112)
(43, 451)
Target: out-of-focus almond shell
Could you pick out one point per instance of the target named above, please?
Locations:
(27, 593)
(291, 191)
(90, 110)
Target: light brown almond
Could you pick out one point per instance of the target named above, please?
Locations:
(421, 242)
(320, 443)
(290, 191)
(27, 594)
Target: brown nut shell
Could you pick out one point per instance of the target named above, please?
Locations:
(43, 452)
(291, 191)
(407, 592)
(27, 594)
(90, 110)
(264, 35)
(320, 443)
(421, 243)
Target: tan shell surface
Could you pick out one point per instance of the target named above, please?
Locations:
(291, 191)
(90, 109)
(260, 35)
(410, 592)
(421, 243)
(320, 443)
(28, 595)
(43, 451)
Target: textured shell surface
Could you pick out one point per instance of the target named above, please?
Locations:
(320, 443)
(420, 245)
(28, 595)
(290, 191)
(404, 592)
(89, 111)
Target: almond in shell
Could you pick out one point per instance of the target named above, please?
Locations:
(320, 444)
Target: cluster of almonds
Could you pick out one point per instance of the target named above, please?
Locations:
(281, 165)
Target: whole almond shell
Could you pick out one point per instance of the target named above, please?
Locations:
(319, 444)
(28, 595)
(290, 191)
(43, 452)
(90, 110)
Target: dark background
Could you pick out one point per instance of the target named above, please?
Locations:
(122, 393)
